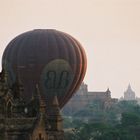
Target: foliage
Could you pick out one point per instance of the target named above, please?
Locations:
(120, 122)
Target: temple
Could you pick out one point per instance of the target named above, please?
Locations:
(83, 97)
(129, 94)
(27, 121)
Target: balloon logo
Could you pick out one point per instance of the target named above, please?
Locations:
(56, 78)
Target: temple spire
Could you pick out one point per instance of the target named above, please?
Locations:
(39, 132)
(129, 94)
(129, 87)
(55, 101)
(17, 88)
(42, 104)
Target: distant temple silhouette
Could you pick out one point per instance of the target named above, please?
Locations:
(129, 94)
(83, 97)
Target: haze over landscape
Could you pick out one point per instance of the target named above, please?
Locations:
(108, 30)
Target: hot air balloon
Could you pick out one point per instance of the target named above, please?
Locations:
(53, 59)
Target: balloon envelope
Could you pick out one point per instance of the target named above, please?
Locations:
(53, 59)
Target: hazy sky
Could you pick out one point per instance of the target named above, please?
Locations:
(109, 30)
